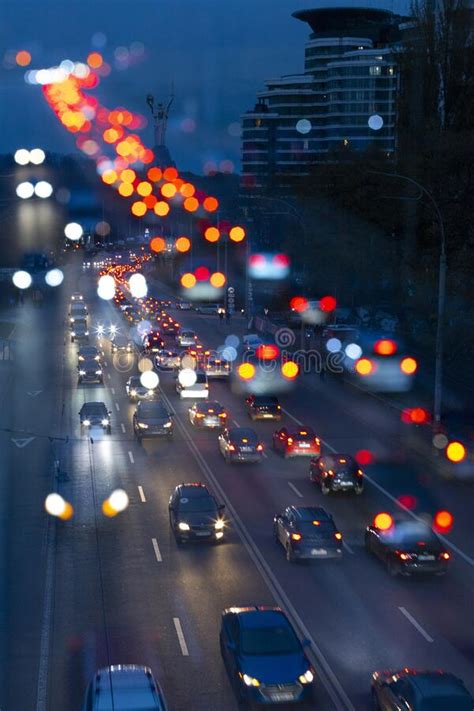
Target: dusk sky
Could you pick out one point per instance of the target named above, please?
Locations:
(217, 54)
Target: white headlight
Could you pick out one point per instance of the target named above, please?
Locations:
(307, 677)
(219, 525)
(82, 372)
(250, 681)
(98, 372)
(86, 423)
(183, 526)
(105, 422)
(167, 424)
(133, 393)
(143, 425)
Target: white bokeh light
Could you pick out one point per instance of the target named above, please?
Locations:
(187, 377)
(106, 287)
(55, 505)
(149, 379)
(43, 189)
(353, 351)
(25, 190)
(304, 126)
(22, 156)
(138, 286)
(118, 500)
(73, 231)
(37, 156)
(22, 279)
(54, 277)
(334, 345)
(375, 122)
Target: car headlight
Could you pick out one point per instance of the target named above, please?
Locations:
(250, 680)
(167, 424)
(307, 677)
(73, 333)
(81, 358)
(86, 333)
(86, 423)
(105, 422)
(82, 372)
(183, 526)
(133, 393)
(71, 320)
(98, 372)
(219, 525)
(143, 426)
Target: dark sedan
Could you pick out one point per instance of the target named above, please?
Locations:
(195, 514)
(337, 472)
(95, 414)
(419, 691)
(153, 342)
(152, 419)
(240, 444)
(295, 442)
(307, 532)
(407, 548)
(264, 658)
(263, 407)
(89, 371)
(207, 414)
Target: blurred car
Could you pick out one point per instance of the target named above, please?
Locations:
(377, 362)
(121, 344)
(240, 444)
(207, 414)
(217, 367)
(199, 389)
(152, 419)
(95, 414)
(454, 445)
(80, 333)
(415, 690)
(153, 342)
(295, 442)
(307, 533)
(184, 305)
(77, 296)
(337, 472)
(251, 341)
(408, 548)
(264, 658)
(90, 371)
(124, 686)
(170, 328)
(78, 311)
(167, 359)
(195, 515)
(136, 391)
(88, 353)
(185, 338)
(263, 407)
(208, 309)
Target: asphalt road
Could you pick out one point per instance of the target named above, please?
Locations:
(94, 591)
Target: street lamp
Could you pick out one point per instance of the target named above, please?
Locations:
(438, 381)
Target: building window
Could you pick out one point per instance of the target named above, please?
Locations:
(375, 71)
(258, 122)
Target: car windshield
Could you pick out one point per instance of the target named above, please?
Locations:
(243, 436)
(152, 409)
(266, 401)
(195, 504)
(262, 641)
(322, 528)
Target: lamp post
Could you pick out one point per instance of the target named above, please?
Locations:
(442, 269)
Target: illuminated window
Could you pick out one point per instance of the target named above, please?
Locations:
(375, 71)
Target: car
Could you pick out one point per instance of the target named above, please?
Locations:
(153, 342)
(208, 309)
(152, 419)
(80, 333)
(307, 533)
(121, 344)
(240, 444)
(77, 296)
(170, 328)
(296, 442)
(136, 391)
(185, 338)
(408, 548)
(90, 371)
(251, 341)
(217, 367)
(207, 414)
(88, 353)
(438, 690)
(77, 311)
(95, 414)
(263, 407)
(264, 658)
(167, 359)
(195, 514)
(337, 472)
(184, 305)
(124, 686)
(199, 389)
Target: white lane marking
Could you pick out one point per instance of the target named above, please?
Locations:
(328, 677)
(130, 456)
(292, 486)
(123, 427)
(109, 376)
(46, 626)
(21, 442)
(112, 390)
(236, 423)
(416, 624)
(117, 406)
(265, 455)
(142, 494)
(347, 548)
(181, 640)
(156, 548)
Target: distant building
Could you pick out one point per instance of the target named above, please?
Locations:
(350, 77)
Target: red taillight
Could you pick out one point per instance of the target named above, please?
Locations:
(317, 440)
(231, 448)
(290, 440)
(296, 536)
(338, 536)
(259, 447)
(445, 555)
(403, 556)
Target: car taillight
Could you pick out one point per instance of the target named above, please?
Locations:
(403, 556)
(290, 440)
(199, 414)
(338, 536)
(408, 366)
(231, 448)
(445, 555)
(222, 414)
(317, 440)
(364, 366)
(296, 536)
(360, 472)
(259, 447)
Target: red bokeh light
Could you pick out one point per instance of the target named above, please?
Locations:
(443, 522)
(281, 260)
(408, 501)
(299, 304)
(267, 352)
(202, 273)
(364, 456)
(328, 304)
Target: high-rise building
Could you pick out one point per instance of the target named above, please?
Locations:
(345, 100)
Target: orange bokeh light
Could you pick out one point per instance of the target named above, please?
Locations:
(161, 208)
(191, 204)
(23, 58)
(109, 177)
(456, 452)
(237, 234)
(443, 521)
(183, 244)
(408, 366)
(168, 190)
(212, 234)
(158, 244)
(188, 280)
(187, 190)
(138, 208)
(154, 174)
(290, 369)
(125, 189)
(218, 280)
(95, 60)
(144, 188)
(364, 366)
(385, 347)
(128, 175)
(383, 521)
(210, 204)
(246, 371)
(170, 174)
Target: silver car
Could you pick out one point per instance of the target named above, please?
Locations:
(186, 338)
(136, 391)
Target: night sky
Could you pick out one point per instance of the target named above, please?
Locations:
(216, 52)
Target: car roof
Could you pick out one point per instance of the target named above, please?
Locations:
(194, 490)
(261, 617)
(430, 684)
(88, 349)
(151, 406)
(311, 513)
(240, 432)
(335, 459)
(213, 404)
(135, 379)
(132, 688)
(94, 405)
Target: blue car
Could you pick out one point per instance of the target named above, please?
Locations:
(263, 656)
